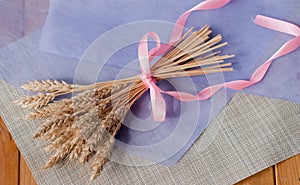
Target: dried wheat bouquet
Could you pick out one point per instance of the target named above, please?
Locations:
(84, 126)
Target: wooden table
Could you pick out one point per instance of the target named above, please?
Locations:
(14, 169)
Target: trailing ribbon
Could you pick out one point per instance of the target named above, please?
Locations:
(145, 57)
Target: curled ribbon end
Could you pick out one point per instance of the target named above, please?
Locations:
(159, 109)
(257, 17)
(159, 119)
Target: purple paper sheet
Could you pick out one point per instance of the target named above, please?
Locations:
(252, 44)
(72, 26)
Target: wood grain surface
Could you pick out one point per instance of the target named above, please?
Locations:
(265, 177)
(25, 176)
(30, 15)
(9, 158)
(288, 171)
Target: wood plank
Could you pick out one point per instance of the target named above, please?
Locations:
(265, 177)
(288, 171)
(9, 158)
(26, 177)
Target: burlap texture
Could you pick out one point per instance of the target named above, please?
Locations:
(253, 133)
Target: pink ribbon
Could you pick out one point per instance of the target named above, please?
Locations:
(158, 104)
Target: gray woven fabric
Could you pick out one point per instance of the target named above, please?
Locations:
(250, 134)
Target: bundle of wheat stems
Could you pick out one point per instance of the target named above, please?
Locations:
(84, 126)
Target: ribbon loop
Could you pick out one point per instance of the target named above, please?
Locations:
(143, 52)
(158, 104)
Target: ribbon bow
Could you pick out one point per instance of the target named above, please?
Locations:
(158, 104)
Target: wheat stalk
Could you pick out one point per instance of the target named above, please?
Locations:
(48, 86)
(84, 126)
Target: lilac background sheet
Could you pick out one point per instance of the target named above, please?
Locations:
(252, 44)
(72, 26)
